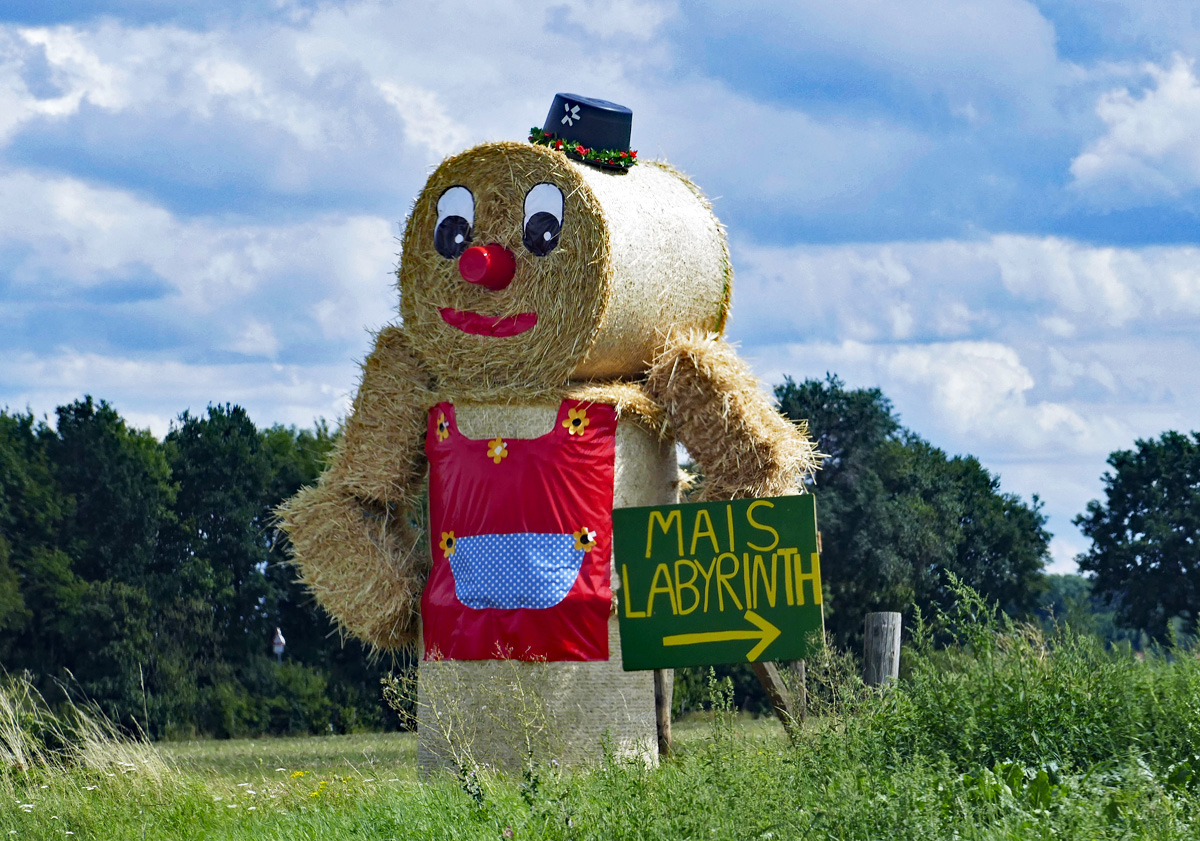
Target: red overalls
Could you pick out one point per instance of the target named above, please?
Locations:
(521, 535)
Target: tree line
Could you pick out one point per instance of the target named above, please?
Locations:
(148, 576)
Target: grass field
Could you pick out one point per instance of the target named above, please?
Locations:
(1003, 734)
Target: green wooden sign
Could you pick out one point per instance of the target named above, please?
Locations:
(717, 582)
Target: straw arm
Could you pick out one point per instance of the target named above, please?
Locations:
(358, 535)
(743, 446)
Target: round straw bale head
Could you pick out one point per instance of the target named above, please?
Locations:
(639, 253)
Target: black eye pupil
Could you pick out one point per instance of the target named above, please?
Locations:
(541, 233)
(452, 237)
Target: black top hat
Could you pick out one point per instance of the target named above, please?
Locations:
(594, 131)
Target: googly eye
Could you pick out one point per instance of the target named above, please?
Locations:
(456, 216)
(543, 219)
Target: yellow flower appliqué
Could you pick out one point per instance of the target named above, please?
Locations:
(443, 427)
(447, 543)
(585, 539)
(497, 450)
(576, 422)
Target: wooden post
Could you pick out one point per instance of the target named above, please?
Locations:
(664, 691)
(881, 648)
(800, 681)
(777, 693)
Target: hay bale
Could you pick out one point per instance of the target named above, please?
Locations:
(567, 288)
(638, 250)
(669, 266)
(366, 566)
(358, 536)
(503, 712)
(496, 710)
(743, 446)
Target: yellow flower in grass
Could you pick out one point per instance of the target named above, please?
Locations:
(585, 539)
(443, 427)
(576, 422)
(497, 449)
(447, 543)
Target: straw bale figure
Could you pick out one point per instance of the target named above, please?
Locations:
(560, 332)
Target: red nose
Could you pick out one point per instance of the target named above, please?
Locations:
(488, 265)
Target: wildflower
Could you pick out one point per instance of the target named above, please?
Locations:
(297, 775)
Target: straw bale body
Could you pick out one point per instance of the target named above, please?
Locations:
(494, 710)
(628, 306)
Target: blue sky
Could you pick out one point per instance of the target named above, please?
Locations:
(987, 209)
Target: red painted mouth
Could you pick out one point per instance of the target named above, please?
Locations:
(488, 325)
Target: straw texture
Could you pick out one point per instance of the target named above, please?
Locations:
(568, 288)
(638, 250)
(669, 265)
(358, 536)
(507, 712)
(719, 412)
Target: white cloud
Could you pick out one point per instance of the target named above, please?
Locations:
(1003, 286)
(325, 278)
(978, 56)
(1063, 551)
(256, 338)
(1150, 149)
(637, 20)
(158, 391)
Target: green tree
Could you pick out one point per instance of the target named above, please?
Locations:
(896, 513)
(297, 457)
(223, 533)
(1070, 600)
(29, 513)
(1145, 552)
(120, 484)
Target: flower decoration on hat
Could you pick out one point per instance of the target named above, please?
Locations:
(497, 449)
(604, 157)
(443, 427)
(576, 422)
(585, 540)
(447, 543)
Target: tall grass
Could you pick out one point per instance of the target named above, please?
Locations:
(1007, 692)
(997, 731)
(34, 738)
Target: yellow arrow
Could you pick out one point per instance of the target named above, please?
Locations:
(766, 634)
